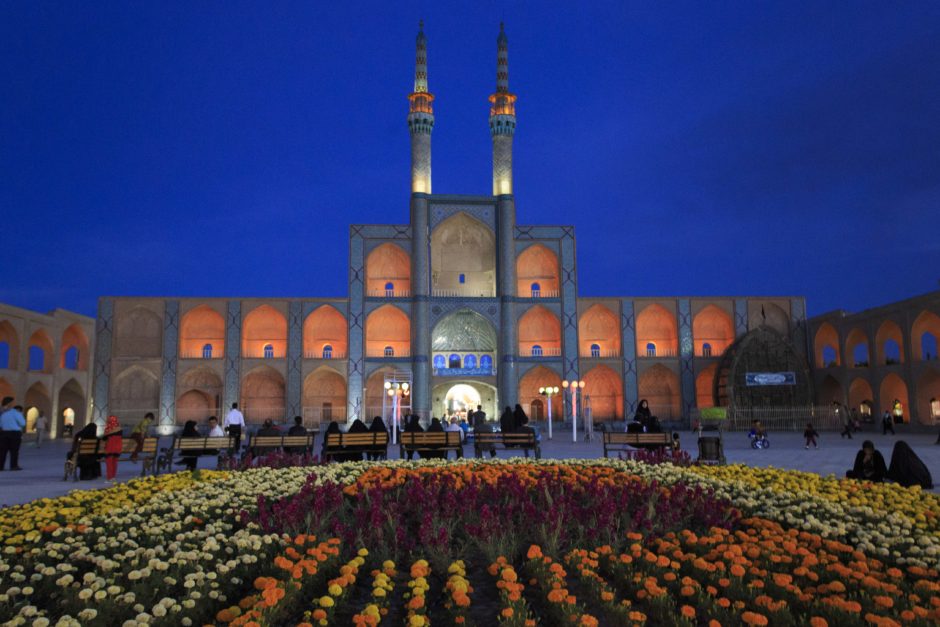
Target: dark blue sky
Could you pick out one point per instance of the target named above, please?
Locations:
(223, 148)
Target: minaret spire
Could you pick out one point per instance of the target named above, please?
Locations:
(421, 118)
(502, 118)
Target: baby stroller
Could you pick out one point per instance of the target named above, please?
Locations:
(758, 439)
(710, 447)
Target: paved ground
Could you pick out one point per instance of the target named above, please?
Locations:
(42, 474)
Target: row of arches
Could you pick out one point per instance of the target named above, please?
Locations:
(38, 398)
(40, 349)
(860, 395)
(889, 342)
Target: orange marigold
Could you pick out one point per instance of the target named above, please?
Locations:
(688, 611)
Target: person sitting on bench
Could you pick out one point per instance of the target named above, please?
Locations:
(190, 458)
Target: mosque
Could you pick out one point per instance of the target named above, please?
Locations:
(462, 306)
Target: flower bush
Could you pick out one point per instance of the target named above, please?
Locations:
(507, 541)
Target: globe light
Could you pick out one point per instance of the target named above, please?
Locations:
(404, 386)
(391, 392)
(580, 384)
(388, 384)
(564, 384)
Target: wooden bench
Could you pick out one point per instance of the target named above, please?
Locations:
(629, 442)
(526, 441)
(95, 447)
(433, 442)
(218, 446)
(342, 443)
(264, 444)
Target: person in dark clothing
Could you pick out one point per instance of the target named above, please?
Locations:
(298, 427)
(810, 434)
(377, 426)
(907, 468)
(357, 426)
(267, 430)
(334, 451)
(89, 466)
(643, 414)
(507, 422)
(634, 426)
(480, 425)
(190, 458)
(869, 464)
(412, 425)
(887, 423)
(434, 427)
(519, 417)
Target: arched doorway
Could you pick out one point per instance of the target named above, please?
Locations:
(134, 393)
(194, 405)
(71, 409)
(826, 346)
(656, 332)
(74, 352)
(325, 397)
(893, 388)
(529, 385)
(37, 400)
(830, 391)
(856, 347)
(41, 355)
(928, 397)
(537, 273)
(660, 387)
(604, 388)
(199, 395)
(861, 397)
(388, 272)
(460, 400)
(262, 395)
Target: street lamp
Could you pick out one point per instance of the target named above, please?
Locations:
(549, 392)
(395, 392)
(572, 387)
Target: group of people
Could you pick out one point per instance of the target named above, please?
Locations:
(341, 454)
(906, 467)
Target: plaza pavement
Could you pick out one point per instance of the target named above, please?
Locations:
(42, 468)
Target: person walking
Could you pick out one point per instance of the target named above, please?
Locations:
(41, 425)
(234, 424)
(810, 434)
(887, 423)
(113, 443)
(12, 424)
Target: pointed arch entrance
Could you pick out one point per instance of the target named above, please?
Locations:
(324, 398)
(928, 397)
(604, 388)
(72, 407)
(529, 384)
(893, 388)
(660, 387)
(37, 399)
(262, 395)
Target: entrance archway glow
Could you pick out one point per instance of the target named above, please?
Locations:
(461, 399)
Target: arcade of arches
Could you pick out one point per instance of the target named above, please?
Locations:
(539, 332)
(202, 334)
(388, 333)
(712, 331)
(262, 395)
(388, 271)
(598, 332)
(856, 348)
(536, 272)
(264, 333)
(324, 396)
(463, 257)
(656, 332)
(325, 334)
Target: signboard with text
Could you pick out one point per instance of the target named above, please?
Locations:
(770, 378)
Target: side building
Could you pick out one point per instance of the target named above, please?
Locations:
(46, 364)
(869, 359)
(463, 305)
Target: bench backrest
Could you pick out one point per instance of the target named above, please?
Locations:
(88, 446)
(434, 438)
(128, 446)
(372, 438)
(504, 438)
(274, 441)
(194, 444)
(615, 437)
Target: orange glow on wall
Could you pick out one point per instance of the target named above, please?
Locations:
(74, 337)
(199, 327)
(604, 387)
(660, 387)
(704, 387)
(325, 394)
(859, 392)
(928, 390)
(388, 326)
(893, 387)
(826, 336)
(9, 335)
(855, 338)
(539, 327)
(889, 330)
(41, 339)
(325, 326)
(599, 326)
(262, 395)
(536, 264)
(264, 326)
(713, 326)
(657, 325)
(926, 322)
(386, 264)
(538, 377)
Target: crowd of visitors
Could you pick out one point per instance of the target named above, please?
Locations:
(906, 468)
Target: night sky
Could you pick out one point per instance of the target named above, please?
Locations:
(223, 148)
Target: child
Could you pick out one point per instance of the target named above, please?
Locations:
(810, 434)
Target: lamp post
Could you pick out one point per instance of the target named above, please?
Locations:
(549, 392)
(573, 386)
(395, 392)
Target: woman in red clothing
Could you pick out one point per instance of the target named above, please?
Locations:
(112, 446)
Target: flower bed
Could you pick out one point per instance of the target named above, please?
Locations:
(479, 543)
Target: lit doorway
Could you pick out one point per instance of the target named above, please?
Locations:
(460, 400)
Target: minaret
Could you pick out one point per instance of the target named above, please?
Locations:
(502, 127)
(420, 123)
(421, 119)
(502, 119)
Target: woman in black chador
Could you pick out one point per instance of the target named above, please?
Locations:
(357, 426)
(89, 466)
(643, 414)
(412, 425)
(869, 464)
(907, 468)
(435, 427)
(331, 429)
(378, 426)
(190, 458)
(519, 417)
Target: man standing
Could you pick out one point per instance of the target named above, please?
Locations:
(234, 423)
(41, 426)
(12, 424)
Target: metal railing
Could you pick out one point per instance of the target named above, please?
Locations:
(388, 294)
(546, 351)
(200, 355)
(542, 294)
(399, 352)
(642, 353)
(822, 417)
(463, 293)
(320, 355)
(602, 354)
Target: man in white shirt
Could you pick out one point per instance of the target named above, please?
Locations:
(215, 431)
(234, 423)
(453, 426)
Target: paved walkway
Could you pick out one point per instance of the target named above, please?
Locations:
(42, 468)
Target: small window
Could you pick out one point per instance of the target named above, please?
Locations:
(706, 350)
(453, 361)
(595, 350)
(650, 350)
(462, 278)
(4, 355)
(470, 361)
(37, 358)
(536, 350)
(486, 363)
(439, 362)
(389, 289)
(327, 351)
(389, 351)
(71, 358)
(207, 351)
(268, 351)
(536, 290)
